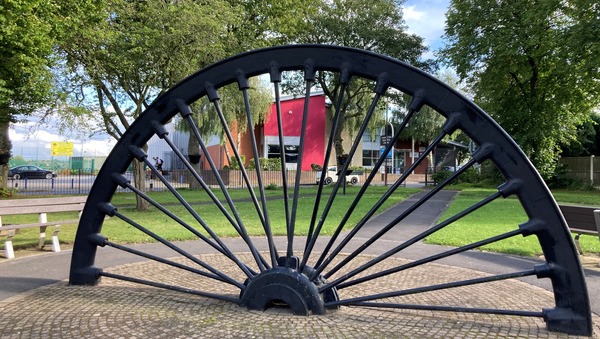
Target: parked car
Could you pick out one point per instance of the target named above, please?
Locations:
(30, 172)
(333, 177)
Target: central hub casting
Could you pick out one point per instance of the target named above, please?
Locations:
(281, 285)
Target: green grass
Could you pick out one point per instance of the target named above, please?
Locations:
(156, 221)
(501, 216)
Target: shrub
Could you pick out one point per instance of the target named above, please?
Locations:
(560, 179)
(6, 192)
(316, 167)
(441, 176)
(233, 164)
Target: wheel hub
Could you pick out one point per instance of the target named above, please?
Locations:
(283, 285)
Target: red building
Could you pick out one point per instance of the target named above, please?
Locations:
(317, 133)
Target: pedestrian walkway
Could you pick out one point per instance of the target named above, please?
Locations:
(36, 302)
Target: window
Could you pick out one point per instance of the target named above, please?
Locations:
(291, 153)
(370, 157)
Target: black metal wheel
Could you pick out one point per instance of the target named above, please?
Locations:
(312, 272)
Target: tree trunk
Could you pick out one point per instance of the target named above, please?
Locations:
(195, 160)
(338, 141)
(5, 147)
(139, 180)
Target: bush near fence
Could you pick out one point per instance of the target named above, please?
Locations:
(584, 169)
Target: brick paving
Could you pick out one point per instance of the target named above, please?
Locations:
(118, 309)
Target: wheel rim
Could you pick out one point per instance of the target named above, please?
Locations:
(16, 176)
(571, 312)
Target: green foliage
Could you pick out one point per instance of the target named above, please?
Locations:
(441, 176)
(375, 25)
(137, 50)
(587, 139)
(357, 169)
(266, 164)
(533, 67)
(560, 180)
(470, 176)
(316, 167)
(233, 163)
(27, 35)
(6, 193)
(29, 32)
(271, 187)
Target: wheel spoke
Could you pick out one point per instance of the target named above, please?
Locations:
(369, 214)
(413, 108)
(412, 241)
(244, 86)
(220, 246)
(237, 224)
(170, 287)
(310, 240)
(431, 258)
(450, 309)
(275, 75)
(309, 77)
(380, 88)
(113, 212)
(432, 288)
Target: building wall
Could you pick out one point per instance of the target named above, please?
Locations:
(291, 116)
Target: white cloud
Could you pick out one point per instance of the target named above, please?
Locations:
(427, 19)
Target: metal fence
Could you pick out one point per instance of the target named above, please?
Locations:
(81, 183)
(586, 169)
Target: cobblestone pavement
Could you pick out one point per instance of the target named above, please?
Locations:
(119, 309)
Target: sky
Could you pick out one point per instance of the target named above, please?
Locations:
(423, 17)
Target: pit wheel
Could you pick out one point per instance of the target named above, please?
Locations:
(305, 279)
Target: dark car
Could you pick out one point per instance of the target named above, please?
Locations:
(30, 172)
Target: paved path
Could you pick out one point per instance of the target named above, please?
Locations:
(34, 301)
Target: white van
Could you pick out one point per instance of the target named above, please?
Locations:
(332, 176)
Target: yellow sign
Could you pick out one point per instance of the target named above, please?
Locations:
(61, 148)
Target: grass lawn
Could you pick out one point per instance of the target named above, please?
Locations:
(501, 216)
(156, 221)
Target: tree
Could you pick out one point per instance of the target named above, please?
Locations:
(264, 23)
(532, 66)
(426, 125)
(29, 31)
(234, 111)
(26, 40)
(374, 25)
(136, 52)
(587, 140)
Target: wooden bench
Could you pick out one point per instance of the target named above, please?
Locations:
(582, 220)
(41, 207)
